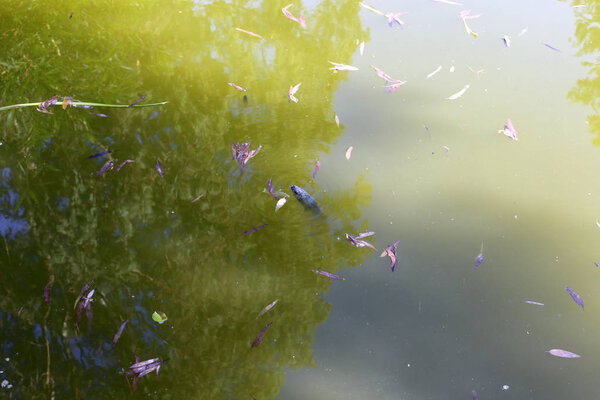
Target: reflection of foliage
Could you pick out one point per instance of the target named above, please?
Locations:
(587, 90)
(138, 238)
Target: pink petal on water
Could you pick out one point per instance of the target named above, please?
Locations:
(341, 67)
(383, 75)
(291, 17)
(394, 86)
(459, 93)
(337, 120)
(316, 170)
(563, 353)
(465, 14)
(509, 130)
(256, 35)
(292, 91)
(261, 335)
(361, 48)
(349, 152)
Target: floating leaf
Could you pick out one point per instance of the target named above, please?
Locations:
(261, 335)
(563, 353)
(535, 303)
(258, 228)
(327, 274)
(509, 130)
(576, 298)
(459, 93)
(159, 316)
(268, 307)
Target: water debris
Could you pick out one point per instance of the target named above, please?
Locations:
(509, 130)
(138, 101)
(479, 260)
(105, 168)
(100, 115)
(84, 303)
(280, 203)
(432, 73)
(392, 18)
(48, 290)
(43, 106)
(103, 153)
(523, 31)
(242, 153)
(390, 251)
(267, 308)
(316, 170)
(448, 2)
(292, 91)
(238, 87)
(160, 317)
(552, 47)
(124, 163)
(473, 393)
(142, 368)
(337, 120)
(159, 169)
(563, 353)
(261, 335)
(597, 264)
(576, 297)
(201, 195)
(535, 303)
(459, 93)
(464, 16)
(327, 274)
(349, 152)
(271, 190)
(258, 228)
(291, 17)
(119, 333)
(394, 86)
(506, 40)
(361, 48)
(68, 101)
(476, 72)
(356, 242)
(384, 75)
(341, 67)
(256, 35)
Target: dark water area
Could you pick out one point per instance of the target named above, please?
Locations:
(432, 165)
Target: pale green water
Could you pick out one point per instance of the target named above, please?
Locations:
(433, 329)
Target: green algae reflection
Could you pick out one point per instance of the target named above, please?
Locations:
(137, 237)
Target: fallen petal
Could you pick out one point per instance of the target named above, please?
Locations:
(249, 33)
(459, 93)
(563, 353)
(349, 152)
(327, 274)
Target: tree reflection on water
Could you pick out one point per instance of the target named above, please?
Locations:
(137, 237)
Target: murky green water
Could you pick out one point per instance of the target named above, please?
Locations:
(430, 172)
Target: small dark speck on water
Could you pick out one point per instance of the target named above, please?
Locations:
(71, 15)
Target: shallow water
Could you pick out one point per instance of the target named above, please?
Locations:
(430, 172)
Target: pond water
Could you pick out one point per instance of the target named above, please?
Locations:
(169, 232)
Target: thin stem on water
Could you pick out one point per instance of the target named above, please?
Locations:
(83, 103)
